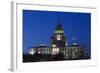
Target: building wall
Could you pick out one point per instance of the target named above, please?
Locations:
(71, 52)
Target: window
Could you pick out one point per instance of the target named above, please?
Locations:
(32, 51)
(58, 37)
(55, 50)
(53, 45)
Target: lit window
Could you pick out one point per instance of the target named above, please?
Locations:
(39, 51)
(58, 37)
(66, 44)
(55, 51)
(53, 45)
(32, 51)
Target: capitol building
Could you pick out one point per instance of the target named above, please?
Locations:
(59, 46)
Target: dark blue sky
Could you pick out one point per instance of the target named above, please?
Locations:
(38, 26)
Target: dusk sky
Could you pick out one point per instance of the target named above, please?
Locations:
(39, 26)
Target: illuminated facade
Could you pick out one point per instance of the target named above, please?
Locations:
(59, 45)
